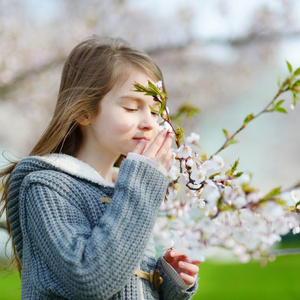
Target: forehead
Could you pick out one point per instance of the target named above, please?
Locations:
(126, 87)
(135, 76)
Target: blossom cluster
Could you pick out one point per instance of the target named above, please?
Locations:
(207, 206)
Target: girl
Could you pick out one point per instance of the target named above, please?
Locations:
(81, 229)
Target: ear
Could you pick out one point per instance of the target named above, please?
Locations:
(84, 120)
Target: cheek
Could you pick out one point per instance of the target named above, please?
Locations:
(122, 126)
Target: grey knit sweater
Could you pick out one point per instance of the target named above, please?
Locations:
(79, 237)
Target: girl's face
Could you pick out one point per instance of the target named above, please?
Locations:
(124, 118)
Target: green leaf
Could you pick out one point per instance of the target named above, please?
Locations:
(187, 109)
(239, 174)
(278, 81)
(152, 86)
(289, 66)
(154, 110)
(298, 203)
(278, 103)
(140, 88)
(179, 131)
(294, 99)
(148, 93)
(249, 118)
(229, 172)
(236, 163)
(297, 72)
(214, 175)
(274, 192)
(225, 133)
(281, 109)
(233, 142)
(296, 83)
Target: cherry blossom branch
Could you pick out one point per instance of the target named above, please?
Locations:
(206, 205)
(291, 83)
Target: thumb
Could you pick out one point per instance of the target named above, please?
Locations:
(169, 256)
(139, 149)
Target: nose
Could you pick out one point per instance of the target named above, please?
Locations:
(147, 120)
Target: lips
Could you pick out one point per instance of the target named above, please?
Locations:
(138, 138)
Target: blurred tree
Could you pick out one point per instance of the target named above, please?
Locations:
(207, 56)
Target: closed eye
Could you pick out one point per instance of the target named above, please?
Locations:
(130, 109)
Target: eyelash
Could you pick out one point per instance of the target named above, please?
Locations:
(130, 109)
(135, 109)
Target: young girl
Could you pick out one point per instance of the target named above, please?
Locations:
(81, 228)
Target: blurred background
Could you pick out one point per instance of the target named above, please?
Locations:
(223, 56)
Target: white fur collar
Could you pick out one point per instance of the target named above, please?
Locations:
(74, 166)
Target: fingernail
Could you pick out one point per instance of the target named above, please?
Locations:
(181, 264)
(172, 253)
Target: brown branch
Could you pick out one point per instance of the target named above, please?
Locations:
(252, 37)
(6, 88)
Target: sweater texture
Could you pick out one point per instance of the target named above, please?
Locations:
(79, 237)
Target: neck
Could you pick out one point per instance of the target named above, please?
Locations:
(102, 163)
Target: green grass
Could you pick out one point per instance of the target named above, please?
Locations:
(221, 281)
(277, 280)
(10, 286)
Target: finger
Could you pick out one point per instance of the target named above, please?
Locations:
(173, 254)
(164, 154)
(140, 147)
(169, 256)
(188, 279)
(165, 149)
(188, 268)
(196, 262)
(156, 144)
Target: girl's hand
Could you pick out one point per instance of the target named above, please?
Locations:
(159, 150)
(186, 270)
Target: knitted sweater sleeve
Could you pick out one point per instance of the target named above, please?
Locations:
(170, 289)
(93, 263)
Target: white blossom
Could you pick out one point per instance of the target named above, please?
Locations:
(165, 126)
(271, 210)
(159, 85)
(189, 162)
(254, 197)
(287, 197)
(295, 195)
(183, 179)
(296, 230)
(174, 172)
(197, 203)
(281, 226)
(239, 202)
(216, 163)
(211, 194)
(198, 176)
(193, 138)
(206, 225)
(184, 152)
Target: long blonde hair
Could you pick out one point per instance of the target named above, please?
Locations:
(91, 70)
